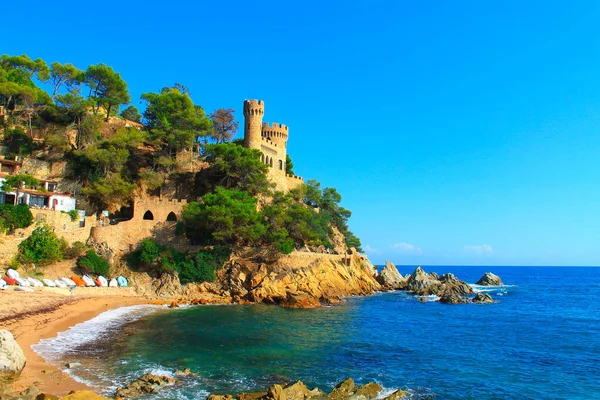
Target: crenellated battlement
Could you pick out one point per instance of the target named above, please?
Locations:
(294, 177)
(268, 141)
(254, 107)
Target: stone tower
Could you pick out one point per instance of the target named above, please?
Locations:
(253, 115)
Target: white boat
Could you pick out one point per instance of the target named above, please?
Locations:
(23, 282)
(11, 273)
(49, 282)
(23, 289)
(103, 281)
(113, 283)
(34, 282)
(68, 282)
(122, 281)
(88, 281)
(60, 283)
(3, 284)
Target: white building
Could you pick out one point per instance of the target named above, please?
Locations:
(42, 196)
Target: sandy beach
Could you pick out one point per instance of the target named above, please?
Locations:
(46, 312)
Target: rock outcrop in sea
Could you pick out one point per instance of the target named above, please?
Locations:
(145, 384)
(297, 390)
(489, 279)
(390, 278)
(12, 359)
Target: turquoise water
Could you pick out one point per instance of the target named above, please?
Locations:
(540, 341)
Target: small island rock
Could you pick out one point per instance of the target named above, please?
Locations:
(483, 298)
(12, 359)
(489, 279)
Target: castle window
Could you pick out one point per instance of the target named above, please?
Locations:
(148, 215)
(271, 161)
(280, 164)
(172, 217)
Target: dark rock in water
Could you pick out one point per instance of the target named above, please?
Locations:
(489, 279)
(343, 390)
(390, 278)
(147, 383)
(483, 298)
(453, 298)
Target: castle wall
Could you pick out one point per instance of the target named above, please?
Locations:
(159, 208)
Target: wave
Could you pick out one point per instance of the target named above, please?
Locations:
(486, 288)
(53, 349)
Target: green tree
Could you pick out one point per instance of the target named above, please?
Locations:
(131, 113)
(173, 119)
(234, 167)
(17, 182)
(92, 263)
(109, 193)
(225, 216)
(224, 125)
(17, 143)
(42, 247)
(107, 88)
(66, 75)
(289, 165)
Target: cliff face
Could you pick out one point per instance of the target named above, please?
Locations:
(298, 280)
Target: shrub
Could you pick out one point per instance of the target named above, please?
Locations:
(204, 265)
(73, 214)
(75, 251)
(14, 217)
(43, 247)
(92, 263)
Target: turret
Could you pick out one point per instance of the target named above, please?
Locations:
(277, 133)
(253, 115)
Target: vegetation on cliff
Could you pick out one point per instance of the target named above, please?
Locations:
(109, 163)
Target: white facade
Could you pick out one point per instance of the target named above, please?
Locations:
(40, 199)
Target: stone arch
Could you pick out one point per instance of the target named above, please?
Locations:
(172, 217)
(148, 215)
(271, 162)
(281, 164)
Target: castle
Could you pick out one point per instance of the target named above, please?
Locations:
(271, 140)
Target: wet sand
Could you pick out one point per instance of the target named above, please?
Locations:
(46, 312)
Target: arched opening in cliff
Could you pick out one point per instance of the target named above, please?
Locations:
(148, 215)
(172, 217)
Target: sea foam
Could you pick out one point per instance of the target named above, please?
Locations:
(64, 343)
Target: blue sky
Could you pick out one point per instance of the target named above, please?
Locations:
(463, 132)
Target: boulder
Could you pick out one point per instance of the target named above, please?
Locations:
(489, 279)
(390, 278)
(300, 300)
(147, 383)
(452, 298)
(296, 391)
(483, 298)
(367, 391)
(342, 390)
(276, 392)
(12, 359)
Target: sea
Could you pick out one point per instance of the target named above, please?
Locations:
(540, 340)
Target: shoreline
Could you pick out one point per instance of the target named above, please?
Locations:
(47, 321)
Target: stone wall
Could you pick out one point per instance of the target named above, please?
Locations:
(60, 222)
(160, 209)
